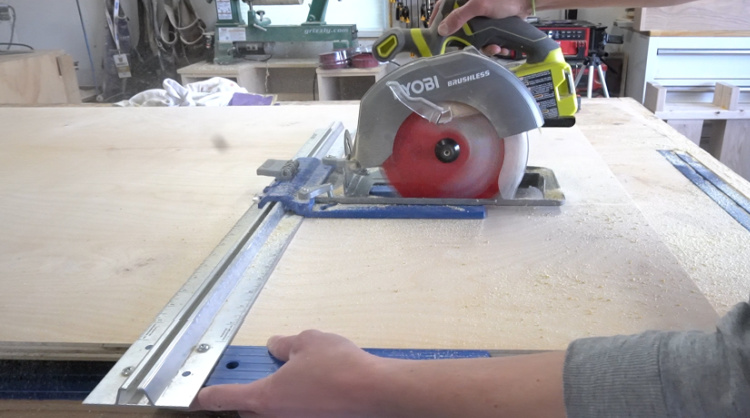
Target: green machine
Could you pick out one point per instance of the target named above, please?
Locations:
(238, 39)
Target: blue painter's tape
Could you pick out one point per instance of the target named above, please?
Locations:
(712, 185)
(245, 364)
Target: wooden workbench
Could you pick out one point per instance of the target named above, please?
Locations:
(106, 212)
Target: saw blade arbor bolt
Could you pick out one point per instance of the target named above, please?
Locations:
(447, 150)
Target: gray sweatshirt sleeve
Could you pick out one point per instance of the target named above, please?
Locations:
(662, 374)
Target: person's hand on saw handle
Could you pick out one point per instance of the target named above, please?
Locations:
(474, 8)
(499, 9)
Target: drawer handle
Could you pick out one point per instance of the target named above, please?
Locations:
(703, 52)
(700, 89)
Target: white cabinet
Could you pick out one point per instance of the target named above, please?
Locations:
(676, 77)
(685, 63)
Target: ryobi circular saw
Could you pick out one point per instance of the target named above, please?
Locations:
(461, 128)
(447, 128)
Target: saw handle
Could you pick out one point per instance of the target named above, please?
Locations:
(511, 33)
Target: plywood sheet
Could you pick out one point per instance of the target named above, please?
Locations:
(708, 243)
(524, 278)
(107, 211)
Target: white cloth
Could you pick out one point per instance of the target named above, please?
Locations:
(216, 91)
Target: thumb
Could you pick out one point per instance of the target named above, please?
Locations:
(231, 397)
(455, 19)
(435, 10)
(280, 346)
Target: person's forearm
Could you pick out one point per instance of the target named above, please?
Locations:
(499, 9)
(326, 375)
(524, 386)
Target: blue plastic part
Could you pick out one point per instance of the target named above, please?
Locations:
(379, 211)
(412, 354)
(729, 199)
(74, 380)
(384, 191)
(245, 364)
(312, 172)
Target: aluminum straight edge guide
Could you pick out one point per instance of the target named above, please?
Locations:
(169, 363)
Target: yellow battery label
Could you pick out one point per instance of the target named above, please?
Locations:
(542, 88)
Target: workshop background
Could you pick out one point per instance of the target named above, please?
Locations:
(670, 59)
(660, 57)
(135, 152)
(63, 28)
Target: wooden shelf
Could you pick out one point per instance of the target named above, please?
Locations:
(347, 83)
(730, 137)
(288, 79)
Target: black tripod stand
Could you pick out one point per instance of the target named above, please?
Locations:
(593, 62)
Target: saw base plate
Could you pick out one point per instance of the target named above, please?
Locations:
(317, 191)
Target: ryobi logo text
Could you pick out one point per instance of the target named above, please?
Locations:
(423, 85)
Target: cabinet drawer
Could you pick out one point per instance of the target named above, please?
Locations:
(703, 63)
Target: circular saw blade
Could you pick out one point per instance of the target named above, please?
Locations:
(459, 159)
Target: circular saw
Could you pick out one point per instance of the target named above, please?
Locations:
(448, 128)
(455, 125)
